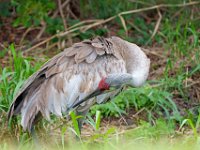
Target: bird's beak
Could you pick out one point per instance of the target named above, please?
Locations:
(91, 95)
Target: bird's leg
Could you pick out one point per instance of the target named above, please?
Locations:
(34, 137)
(81, 119)
(32, 129)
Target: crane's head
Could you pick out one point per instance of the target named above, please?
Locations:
(103, 85)
(115, 81)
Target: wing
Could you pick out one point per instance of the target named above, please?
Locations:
(65, 79)
(88, 50)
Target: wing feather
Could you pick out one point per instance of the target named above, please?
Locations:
(91, 58)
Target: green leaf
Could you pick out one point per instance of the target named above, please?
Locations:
(98, 119)
(75, 123)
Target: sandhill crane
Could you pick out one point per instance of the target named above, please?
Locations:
(86, 69)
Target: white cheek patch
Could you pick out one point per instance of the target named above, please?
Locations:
(140, 69)
(138, 79)
(140, 74)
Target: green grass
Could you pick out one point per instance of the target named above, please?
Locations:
(13, 76)
(163, 121)
(145, 136)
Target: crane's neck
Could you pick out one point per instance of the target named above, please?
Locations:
(137, 63)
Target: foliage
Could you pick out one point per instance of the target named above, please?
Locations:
(95, 124)
(4, 9)
(13, 77)
(32, 12)
(104, 9)
(153, 99)
(75, 123)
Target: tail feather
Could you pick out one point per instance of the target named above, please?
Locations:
(35, 105)
(23, 100)
(16, 106)
(29, 116)
(10, 113)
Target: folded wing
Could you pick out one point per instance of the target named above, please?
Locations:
(65, 79)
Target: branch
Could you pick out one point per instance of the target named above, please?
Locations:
(100, 22)
(41, 30)
(2, 46)
(158, 6)
(156, 27)
(62, 6)
(62, 15)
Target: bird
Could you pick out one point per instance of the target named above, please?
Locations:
(79, 77)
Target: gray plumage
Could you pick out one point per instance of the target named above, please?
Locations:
(74, 73)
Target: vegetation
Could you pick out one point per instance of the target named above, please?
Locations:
(164, 111)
